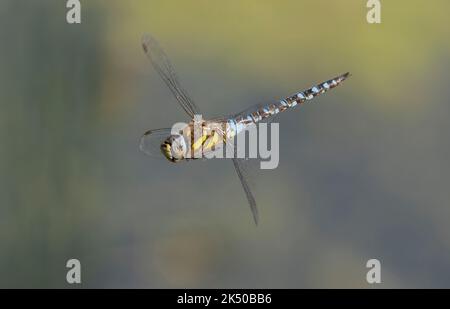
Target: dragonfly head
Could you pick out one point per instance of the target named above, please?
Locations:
(174, 148)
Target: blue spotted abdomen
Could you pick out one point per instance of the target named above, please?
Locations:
(263, 112)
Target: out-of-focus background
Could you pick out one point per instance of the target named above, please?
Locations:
(364, 170)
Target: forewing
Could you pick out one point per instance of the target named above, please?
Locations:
(162, 65)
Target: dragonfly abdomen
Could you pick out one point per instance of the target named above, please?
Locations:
(261, 113)
(314, 91)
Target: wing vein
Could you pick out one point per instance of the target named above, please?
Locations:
(164, 68)
(248, 192)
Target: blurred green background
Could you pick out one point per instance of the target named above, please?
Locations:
(364, 171)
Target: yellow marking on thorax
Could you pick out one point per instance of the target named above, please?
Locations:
(199, 142)
(212, 141)
(206, 141)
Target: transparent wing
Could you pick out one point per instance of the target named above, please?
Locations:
(240, 170)
(151, 141)
(162, 65)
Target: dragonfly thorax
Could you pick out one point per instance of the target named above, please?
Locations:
(174, 148)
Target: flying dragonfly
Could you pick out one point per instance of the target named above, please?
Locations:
(184, 145)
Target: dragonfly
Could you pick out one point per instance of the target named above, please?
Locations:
(184, 145)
